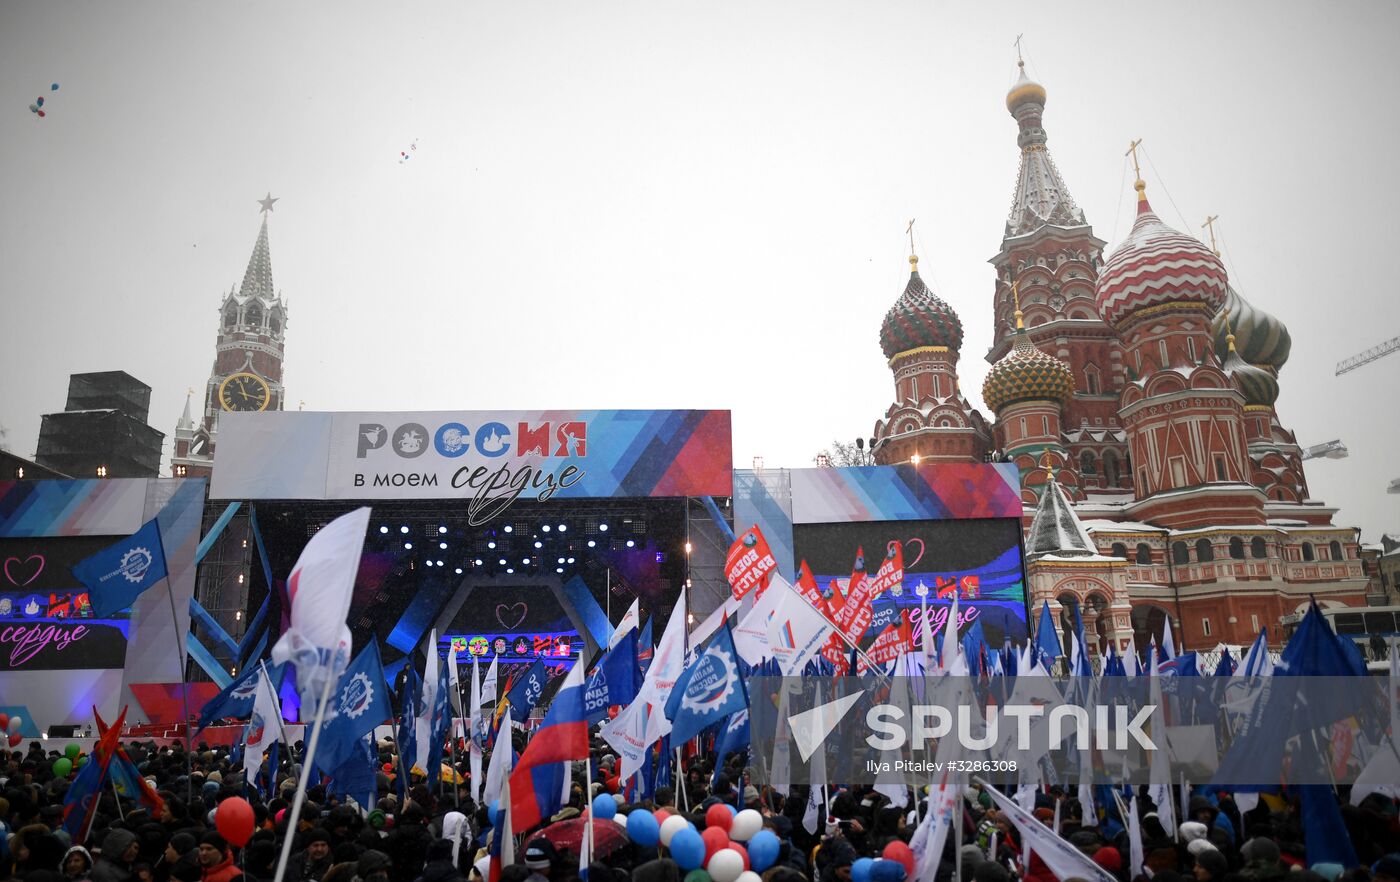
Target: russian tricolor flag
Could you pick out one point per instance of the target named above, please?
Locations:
(561, 738)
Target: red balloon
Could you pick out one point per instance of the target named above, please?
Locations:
(15, 739)
(715, 839)
(661, 815)
(901, 853)
(234, 820)
(388, 768)
(719, 815)
(4, 722)
(743, 853)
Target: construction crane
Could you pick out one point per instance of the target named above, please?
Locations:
(1370, 355)
(1326, 450)
(1394, 486)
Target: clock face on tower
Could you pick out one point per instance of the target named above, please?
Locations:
(244, 391)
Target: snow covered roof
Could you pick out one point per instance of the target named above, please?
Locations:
(1056, 528)
(1107, 526)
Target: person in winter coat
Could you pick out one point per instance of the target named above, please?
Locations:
(311, 863)
(119, 851)
(407, 846)
(77, 864)
(215, 859)
(440, 867)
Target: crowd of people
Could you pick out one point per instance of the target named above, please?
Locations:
(418, 834)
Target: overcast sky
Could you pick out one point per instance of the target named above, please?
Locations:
(668, 205)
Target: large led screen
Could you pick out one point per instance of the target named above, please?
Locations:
(979, 560)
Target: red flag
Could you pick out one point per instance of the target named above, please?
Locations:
(891, 571)
(807, 586)
(126, 778)
(854, 617)
(749, 563)
(80, 803)
(894, 641)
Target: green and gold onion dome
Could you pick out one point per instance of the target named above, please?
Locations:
(919, 319)
(1258, 385)
(1026, 374)
(1260, 338)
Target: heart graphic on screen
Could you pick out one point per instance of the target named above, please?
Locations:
(909, 564)
(516, 611)
(16, 569)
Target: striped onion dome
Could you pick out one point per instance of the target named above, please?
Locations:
(1156, 265)
(1257, 385)
(918, 319)
(1026, 374)
(1260, 338)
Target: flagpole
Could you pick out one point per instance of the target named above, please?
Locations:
(452, 742)
(300, 796)
(680, 780)
(117, 797)
(262, 666)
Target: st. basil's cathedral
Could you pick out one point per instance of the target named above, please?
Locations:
(1134, 389)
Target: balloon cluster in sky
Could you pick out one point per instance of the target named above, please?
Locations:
(37, 107)
(406, 155)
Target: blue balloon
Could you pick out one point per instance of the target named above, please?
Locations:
(604, 807)
(884, 871)
(54, 87)
(732, 810)
(643, 829)
(688, 849)
(763, 850)
(860, 870)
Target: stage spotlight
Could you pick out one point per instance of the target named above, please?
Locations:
(490, 544)
(427, 563)
(631, 544)
(561, 560)
(571, 560)
(539, 544)
(442, 529)
(458, 571)
(403, 529)
(525, 561)
(476, 562)
(563, 528)
(442, 545)
(408, 546)
(558, 569)
(509, 571)
(383, 529)
(544, 527)
(503, 561)
(591, 543)
(602, 528)
(509, 528)
(440, 563)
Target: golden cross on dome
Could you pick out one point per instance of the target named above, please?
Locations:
(910, 231)
(1049, 465)
(1020, 61)
(1209, 226)
(1016, 300)
(1132, 151)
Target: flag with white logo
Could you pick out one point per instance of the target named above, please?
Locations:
(749, 563)
(796, 631)
(708, 691)
(120, 573)
(359, 703)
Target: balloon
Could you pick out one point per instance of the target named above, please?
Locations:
(670, 827)
(72, 751)
(661, 815)
(4, 722)
(642, 828)
(763, 849)
(16, 722)
(714, 839)
(732, 810)
(900, 853)
(725, 866)
(887, 871)
(54, 87)
(82, 761)
(697, 876)
(687, 849)
(15, 739)
(41, 113)
(234, 820)
(743, 853)
(33, 108)
(40, 102)
(746, 824)
(718, 815)
(604, 807)
(62, 766)
(860, 870)
(749, 876)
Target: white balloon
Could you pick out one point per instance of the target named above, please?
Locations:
(745, 825)
(726, 865)
(749, 876)
(15, 723)
(670, 827)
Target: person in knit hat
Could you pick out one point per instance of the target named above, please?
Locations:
(1211, 866)
(215, 859)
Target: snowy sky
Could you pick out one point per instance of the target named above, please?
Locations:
(664, 204)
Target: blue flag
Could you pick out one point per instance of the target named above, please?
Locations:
(359, 703)
(974, 644)
(116, 575)
(408, 738)
(708, 691)
(733, 738)
(356, 776)
(442, 716)
(526, 692)
(615, 681)
(236, 699)
(645, 649)
(1325, 836)
(1047, 642)
(1226, 667)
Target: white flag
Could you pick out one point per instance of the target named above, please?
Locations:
(796, 632)
(474, 720)
(751, 631)
(264, 725)
(932, 832)
(320, 588)
(423, 723)
(631, 619)
(713, 621)
(1064, 860)
(1135, 851)
(816, 799)
(499, 769)
(643, 722)
(489, 684)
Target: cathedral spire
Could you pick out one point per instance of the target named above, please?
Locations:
(1056, 529)
(1041, 196)
(186, 421)
(257, 279)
